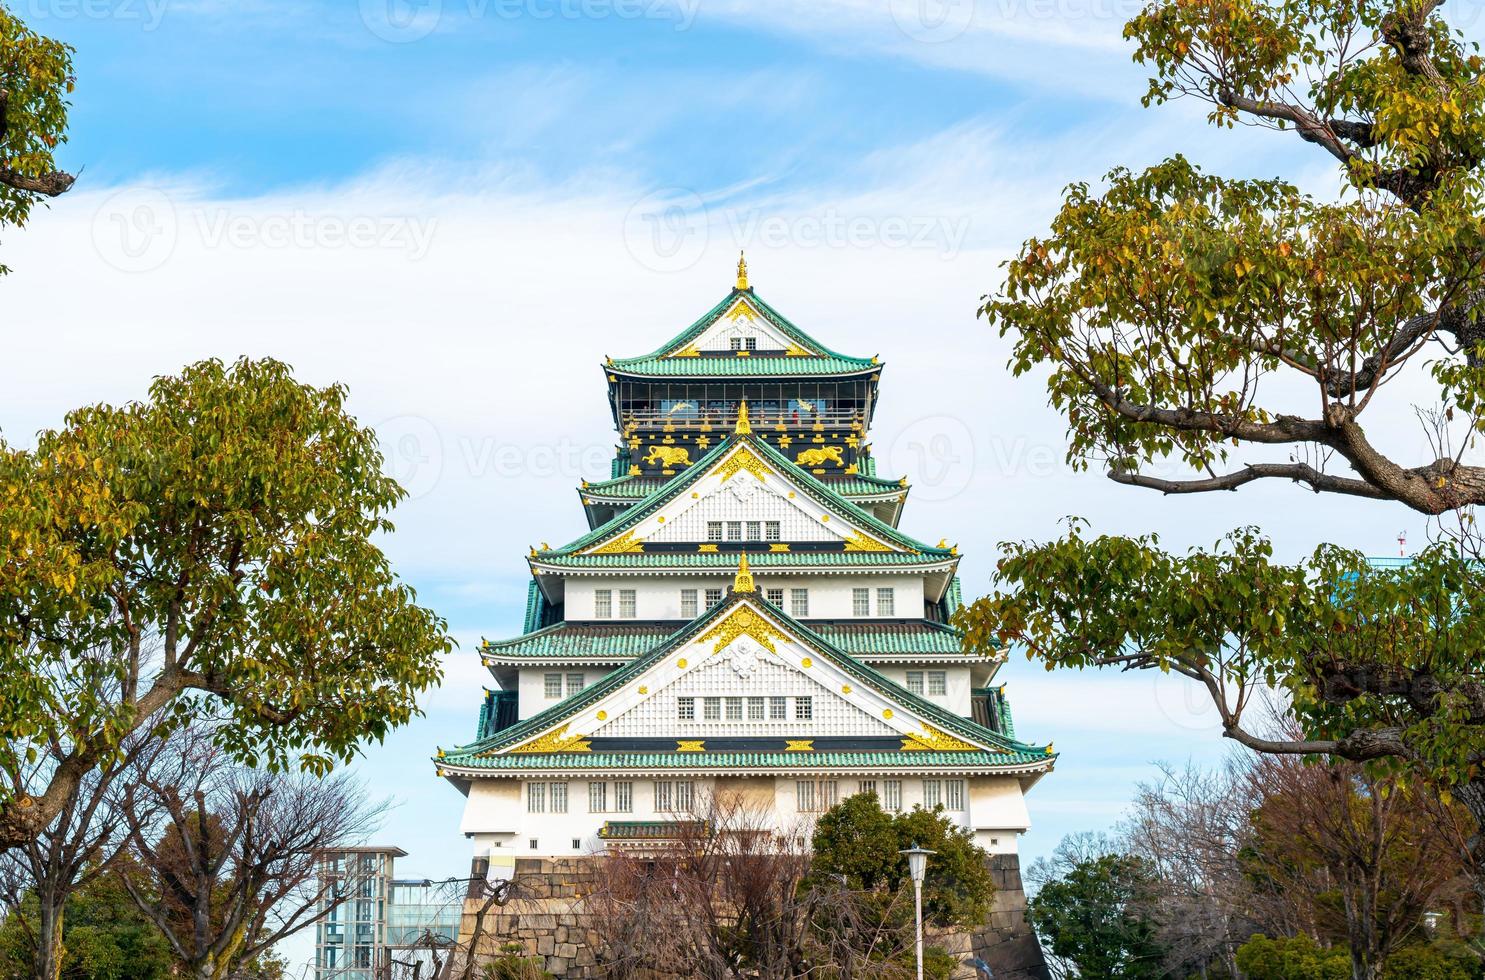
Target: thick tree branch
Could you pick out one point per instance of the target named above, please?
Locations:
(1298, 472)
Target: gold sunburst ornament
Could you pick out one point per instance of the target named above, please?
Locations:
(933, 740)
(556, 740)
(743, 622)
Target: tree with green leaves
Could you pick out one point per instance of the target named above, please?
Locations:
(211, 550)
(1177, 314)
(1091, 917)
(856, 840)
(105, 938)
(35, 79)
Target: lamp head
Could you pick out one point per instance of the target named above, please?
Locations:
(917, 861)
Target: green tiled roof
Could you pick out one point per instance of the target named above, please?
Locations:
(625, 642)
(825, 362)
(767, 559)
(475, 754)
(751, 760)
(639, 487)
(822, 492)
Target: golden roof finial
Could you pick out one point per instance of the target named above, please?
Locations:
(743, 427)
(742, 271)
(743, 582)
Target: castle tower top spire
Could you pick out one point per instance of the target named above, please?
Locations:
(743, 427)
(743, 582)
(742, 271)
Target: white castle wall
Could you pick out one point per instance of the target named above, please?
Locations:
(659, 596)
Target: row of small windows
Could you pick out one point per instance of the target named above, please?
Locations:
(742, 530)
(552, 684)
(692, 601)
(679, 795)
(669, 796)
(757, 708)
(938, 682)
(603, 604)
(744, 343)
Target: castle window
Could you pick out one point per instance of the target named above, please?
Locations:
(714, 530)
(866, 786)
(711, 709)
(744, 343)
(626, 604)
(915, 681)
(603, 603)
(598, 797)
(861, 602)
(685, 709)
(624, 797)
(674, 796)
(552, 685)
(892, 794)
(775, 596)
(778, 709)
(734, 709)
(938, 682)
(804, 709)
(816, 795)
(755, 530)
(799, 602)
(688, 603)
(734, 530)
(558, 793)
(771, 530)
(933, 793)
(755, 709)
(954, 794)
(574, 684)
(886, 602)
(713, 596)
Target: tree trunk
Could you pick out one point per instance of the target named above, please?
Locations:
(49, 943)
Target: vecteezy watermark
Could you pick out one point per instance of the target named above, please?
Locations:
(403, 21)
(146, 13)
(668, 230)
(138, 229)
(936, 454)
(932, 21)
(416, 454)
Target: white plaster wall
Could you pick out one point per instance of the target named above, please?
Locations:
(495, 814)
(957, 684)
(659, 597)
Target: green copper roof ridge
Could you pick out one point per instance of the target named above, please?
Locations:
(596, 487)
(807, 481)
(524, 730)
(747, 759)
(711, 316)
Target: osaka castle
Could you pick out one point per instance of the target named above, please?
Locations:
(742, 619)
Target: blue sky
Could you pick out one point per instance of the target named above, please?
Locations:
(460, 221)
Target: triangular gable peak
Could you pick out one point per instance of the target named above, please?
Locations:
(744, 477)
(745, 650)
(743, 329)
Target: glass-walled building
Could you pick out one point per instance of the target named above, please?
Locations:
(351, 937)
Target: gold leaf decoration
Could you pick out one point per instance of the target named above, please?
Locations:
(556, 740)
(799, 745)
(624, 544)
(743, 622)
(688, 351)
(690, 745)
(743, 459)
(858, 541)
(933, 740)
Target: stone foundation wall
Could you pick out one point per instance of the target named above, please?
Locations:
(548, 921)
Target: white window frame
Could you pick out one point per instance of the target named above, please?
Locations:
(778, 708)
(886, 602)
(713, 596)
(913, 681)
(603, 603)
(628, 606)
(954, 795)
(775, 597)
(755, 709)
(714, 530)
(734, 708)
(689, 608)
(711, 709)
(552, 685)
(734, 530)
(861, 602)
(770, 530)
(799, 603)
(804, 708)
(575, 683)
(685, 709)
(933, 793)
(597, 797)
(938, 682)
(892, 795)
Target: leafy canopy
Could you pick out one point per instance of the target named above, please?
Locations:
(209, 550)
(35, 79)
(1091, 918)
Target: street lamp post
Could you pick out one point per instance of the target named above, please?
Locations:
(917, 867)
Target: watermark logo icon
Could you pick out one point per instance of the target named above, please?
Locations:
(412, 453)
(666, 231)
(937, 454)
(932, 21)
(136, 229)
(401, 21)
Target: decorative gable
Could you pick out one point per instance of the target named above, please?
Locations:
(747, 657)
(741, 329)
(744, 492)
